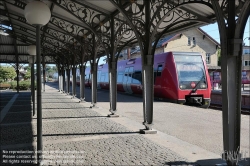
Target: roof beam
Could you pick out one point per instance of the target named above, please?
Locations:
(3, 44)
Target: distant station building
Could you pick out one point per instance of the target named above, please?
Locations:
(193, 40)
(246, 58)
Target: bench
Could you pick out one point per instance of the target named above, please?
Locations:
(4, 86)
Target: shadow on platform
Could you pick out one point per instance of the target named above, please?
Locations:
(16, 140)
(99, 133)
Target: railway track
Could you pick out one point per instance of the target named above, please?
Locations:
(217, 106)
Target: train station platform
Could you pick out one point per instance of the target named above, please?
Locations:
(76, 134)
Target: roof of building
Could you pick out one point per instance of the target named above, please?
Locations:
(213, 67)
(172, 37)
(207, 35)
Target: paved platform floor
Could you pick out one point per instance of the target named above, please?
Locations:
(75, 134)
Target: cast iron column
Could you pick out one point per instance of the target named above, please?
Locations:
(59, 79)
(148, 91)
(33, 85)
(39, 95)
(68, 81)
(113, 88)
(63, 80)
(44, 78)
(94, 83)
(73, 82)
(231, 37)
(82, 83)
(17, 79)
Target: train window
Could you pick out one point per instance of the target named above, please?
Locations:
(159, 70)
(125, 75)
(102, 77)
(190, 68)
(130, 72)
(119, 77)
(131, 69)
(106, 77)
(98, 76)
(137, 77)
(126, 70)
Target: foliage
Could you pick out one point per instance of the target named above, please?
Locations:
(23, 85)
(7, 73)
(27, 75)
(27, 68)
(50, 70)
(13, 85)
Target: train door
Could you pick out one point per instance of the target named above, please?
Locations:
(98, 79)
(158, 81)
(128, 79)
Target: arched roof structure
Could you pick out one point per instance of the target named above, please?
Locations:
(74, 22)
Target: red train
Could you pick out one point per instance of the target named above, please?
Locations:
(180, 77)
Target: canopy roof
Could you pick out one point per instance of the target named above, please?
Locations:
(81, 30)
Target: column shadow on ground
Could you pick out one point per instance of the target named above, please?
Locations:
(83, 134)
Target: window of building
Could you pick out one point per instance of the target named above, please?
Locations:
(189, 41)
(208, 58)
(194, 41)
(246, 51)
(246, 63)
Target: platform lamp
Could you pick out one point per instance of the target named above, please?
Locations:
(38, 13)
(32, 51)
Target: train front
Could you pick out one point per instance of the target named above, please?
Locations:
(193, 79)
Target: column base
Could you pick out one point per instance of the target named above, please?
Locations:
(93, 106)
(82, 101)
(113, 115)
(146, 131)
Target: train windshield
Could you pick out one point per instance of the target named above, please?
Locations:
(190, 69)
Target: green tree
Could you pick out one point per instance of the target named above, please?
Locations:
(27, 75)
(27, 68)
(50, 70)
(7, 73)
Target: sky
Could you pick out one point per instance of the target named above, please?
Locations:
(213, 31)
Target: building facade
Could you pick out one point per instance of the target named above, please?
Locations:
(246, 58)
(195, 40)
(192, 40)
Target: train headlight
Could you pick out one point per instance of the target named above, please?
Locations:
(182, 86)
(203, 86)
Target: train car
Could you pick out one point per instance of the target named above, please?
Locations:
(180, 77)
(216, 77)
(87, 77)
